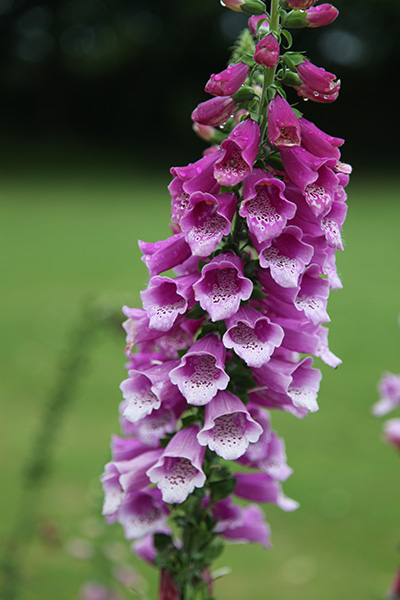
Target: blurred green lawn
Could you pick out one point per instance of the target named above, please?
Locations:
(73, 235)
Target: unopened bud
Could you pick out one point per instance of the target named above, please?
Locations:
(267, 51)
(250, 7)
(300, 4)
(321, 15)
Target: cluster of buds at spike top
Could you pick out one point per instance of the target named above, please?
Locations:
(231, 332)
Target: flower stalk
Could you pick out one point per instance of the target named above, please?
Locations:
(255, 226)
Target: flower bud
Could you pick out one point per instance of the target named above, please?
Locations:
(253, 22)
(321, 15)
(317, 84)
(267, 51)
(250, 7)
(227, 82)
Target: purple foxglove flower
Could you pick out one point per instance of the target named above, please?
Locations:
(207, 219)
(317, 84)
(264, 205)
(320, 194)
(153, 428)
(225, 513)
(301, 391)
(253, 22)
(299, 335)
(133, 476)
(270, 399)
(178, 470)
(267, 51)
(252, 336)
(391, 433)
(260, 487)
(286, 257)
(165, 299)
(317, 142)
(310, 298)
(198, 176)
(301, 4)
(142, 513)
(318, 16)
(215, 111)
(251, 527)
(222, 286)
(201, 372)
(228, 427)
(268, 454)
(144, 391)
(389, 392)
(164, 255)
(283, 125)
(239, 153)
(227, 82)
(301, 166)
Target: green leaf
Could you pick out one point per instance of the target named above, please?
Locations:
(222, 489)
(288, 37)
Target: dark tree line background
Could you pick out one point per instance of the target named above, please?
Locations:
(126, 74)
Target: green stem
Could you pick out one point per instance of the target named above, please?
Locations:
(269, 74)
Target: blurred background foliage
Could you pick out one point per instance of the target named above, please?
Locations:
(95, 106)
(129, 72)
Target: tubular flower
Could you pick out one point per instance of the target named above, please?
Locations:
(233, 314)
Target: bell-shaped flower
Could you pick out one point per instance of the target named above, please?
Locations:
(166, 298)
(197, 176)
(321, 15)
(317, 84)
(208, 218)
(286, 256)
(228, 81)
(222, 286)
(215, 111)
(268, 453)
(164, 255)
(152, 429)
(252, 336)
(144, 390)
(283, 125)
(228, 427)
(302, 167)
(310, 297)
(267, 51)
(250, 527)
(126, 448)
(332, 224)
(317, 142)
(239, 152)
(179, 469)
(323, 351)
(261, 487)
(142, 513)
(389, 392)
(264, 205)
(201, 373)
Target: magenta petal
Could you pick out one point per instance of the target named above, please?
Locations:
(250, 528)
(283, 125)
(165, 299)
(215, 111)
(239, 153)
(227, 82)
(142, 513)
(164, 255)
